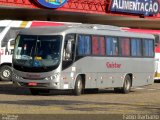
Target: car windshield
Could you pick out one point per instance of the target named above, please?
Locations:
(37, 51)
(1, 29)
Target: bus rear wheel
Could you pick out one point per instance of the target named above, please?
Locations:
(126, 85)
(78, 86)
(5, 73)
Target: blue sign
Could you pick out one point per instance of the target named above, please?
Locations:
(144, 7)
(51, 3)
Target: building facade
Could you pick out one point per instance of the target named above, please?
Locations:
(128, 13)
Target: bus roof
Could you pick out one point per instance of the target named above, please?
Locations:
(146, 31)
(84, 29)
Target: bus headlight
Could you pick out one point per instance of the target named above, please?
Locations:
(52, 77)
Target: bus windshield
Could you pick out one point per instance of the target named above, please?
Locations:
(37, 53)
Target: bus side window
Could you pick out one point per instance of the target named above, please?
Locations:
(148, 48)
(112, 46)
(124, 43)
(136, 47)
(68, 53)
(84, 45)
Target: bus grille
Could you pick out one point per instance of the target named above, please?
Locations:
(33, 78)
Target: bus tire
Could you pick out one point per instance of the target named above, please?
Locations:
(5, 73)
(78, 86)
(126, 85)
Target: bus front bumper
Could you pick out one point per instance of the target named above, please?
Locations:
(42, 84)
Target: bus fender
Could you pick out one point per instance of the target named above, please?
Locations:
(83, 79)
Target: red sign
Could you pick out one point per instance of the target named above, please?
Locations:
(113, 65)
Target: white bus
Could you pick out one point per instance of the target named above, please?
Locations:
(82, 57)
(8, 31)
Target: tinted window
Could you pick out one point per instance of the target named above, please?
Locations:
(148, 49)
(1, 29)
(11, 34)
(111, 46)
(84, 45)
(124, 46)
(98, 45)
(136, 47)
(37, 51)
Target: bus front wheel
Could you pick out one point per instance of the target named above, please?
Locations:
(5, 73)
(78, 86)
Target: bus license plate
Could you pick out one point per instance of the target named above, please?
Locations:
(32, 84)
